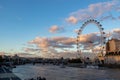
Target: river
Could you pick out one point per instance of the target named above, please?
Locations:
(52, 72)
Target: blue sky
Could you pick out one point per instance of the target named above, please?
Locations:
(22, 21)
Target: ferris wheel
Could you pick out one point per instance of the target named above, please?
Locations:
(102, 36)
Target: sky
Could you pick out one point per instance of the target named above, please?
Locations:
(47, 28)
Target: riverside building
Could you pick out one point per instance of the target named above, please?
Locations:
(112, 52)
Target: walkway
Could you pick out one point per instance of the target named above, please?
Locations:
(6, 74)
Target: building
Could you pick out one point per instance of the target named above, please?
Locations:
(113, 45)
(112, 52)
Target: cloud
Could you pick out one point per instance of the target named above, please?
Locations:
(41, 42)
(2, 53)
(116, 33)
(72, 20)
(50, 47)
(56, 45)
(63, 46)
(31, 50)
(95, 37)
(57, 39)
(56, 29)
(65, 54)
(68, 54)
(56, 42)
(92, 11)
(76, 30)
(107, 17)
(26, 55)
(64, 40)
(117, 30)
(86, 38)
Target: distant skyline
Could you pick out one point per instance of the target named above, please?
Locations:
(47, 28)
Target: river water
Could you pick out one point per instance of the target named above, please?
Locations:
(52, 72)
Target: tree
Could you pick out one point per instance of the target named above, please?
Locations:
(1, 59)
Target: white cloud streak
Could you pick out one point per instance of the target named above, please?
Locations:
(116, 33)
(92, 11)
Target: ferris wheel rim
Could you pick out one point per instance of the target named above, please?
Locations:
(101, 30)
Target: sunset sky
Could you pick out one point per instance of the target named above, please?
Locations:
(48, 28)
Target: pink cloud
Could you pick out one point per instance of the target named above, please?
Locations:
(72, 20)
(55, 29)
(40, 42)
(86, 38)
(55, 44)
(2, 53)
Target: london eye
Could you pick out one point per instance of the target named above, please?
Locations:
(102, 36)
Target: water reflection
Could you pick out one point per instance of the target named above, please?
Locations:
(69, 73)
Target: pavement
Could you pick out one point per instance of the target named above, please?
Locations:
(6, 74)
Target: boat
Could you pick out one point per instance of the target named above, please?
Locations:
(92, 67)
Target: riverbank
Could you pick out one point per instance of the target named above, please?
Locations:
(7, 74)
(79, 65)
(113, 66)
